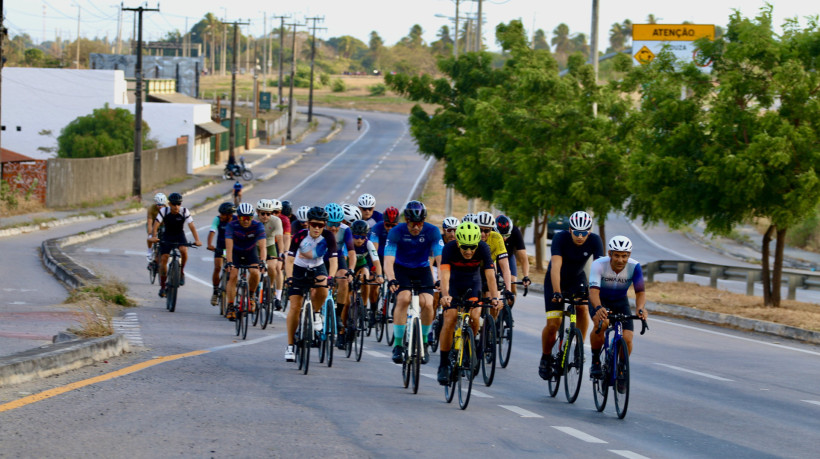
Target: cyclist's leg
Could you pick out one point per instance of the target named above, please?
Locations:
(319, 295)
(234, 274)
(579, 287)
(513, 277)
(184, 259)
(296, 291)
(217, 268)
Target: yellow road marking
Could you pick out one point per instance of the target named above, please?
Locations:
(87, 382)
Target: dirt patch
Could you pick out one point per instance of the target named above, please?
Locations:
(792, 313)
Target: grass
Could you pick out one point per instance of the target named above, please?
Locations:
(792, 313)
(98, 303)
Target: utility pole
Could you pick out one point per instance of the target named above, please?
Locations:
(137, 189)
(281, 49)
(264, 49)
(78, 35)
(232, 130)
(312, 58)
(3, 32)
(455, 54)
(119, 30)
(478, 40)
(595, 51)
(292, 77)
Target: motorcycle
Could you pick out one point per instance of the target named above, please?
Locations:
(233, 171)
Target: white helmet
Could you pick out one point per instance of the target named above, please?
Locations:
(264, 205)
(469, 218)
(450, 222)
(352, 213)
(367, 200)
(277, 204)
(580, 221)
(244, 209)
(301, 213)
(160, 199)
(620, 244)
(485, 219)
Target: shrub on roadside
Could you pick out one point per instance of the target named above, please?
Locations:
(338, 85)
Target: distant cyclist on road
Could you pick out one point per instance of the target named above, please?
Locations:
(160, 201)
(173, 217)
(245, 244)
(367, 205)
(226, 210)
(237, 193)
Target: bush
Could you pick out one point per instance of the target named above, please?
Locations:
(7, 196)
(339, 85)
(105, 132)
(377, 89)
(324, 79)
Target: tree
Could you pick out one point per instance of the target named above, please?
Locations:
(561, 42)
(540, 40)
(444, 45)
(742, 148)
(580, 44)
(414, 38)
(105, 132)
(34, 57)
(651, 19)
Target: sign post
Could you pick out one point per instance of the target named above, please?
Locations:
(648, 40)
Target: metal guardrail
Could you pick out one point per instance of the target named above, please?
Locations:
(793, 279)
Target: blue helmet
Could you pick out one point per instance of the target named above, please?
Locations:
(335, 213)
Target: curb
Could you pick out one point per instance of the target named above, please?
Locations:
(723, 320)
(52, 359)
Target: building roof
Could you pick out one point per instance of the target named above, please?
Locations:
(174, 98)
(212, 128)
(8, 156)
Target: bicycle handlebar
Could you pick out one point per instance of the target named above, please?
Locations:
(526, 287)
(623, 318)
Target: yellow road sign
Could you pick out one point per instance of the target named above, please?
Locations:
(672, 32)
(644, 56)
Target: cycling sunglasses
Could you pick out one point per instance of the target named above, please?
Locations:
(468, 247)
(415, 224)
(334, 224)
(450, 230)
(264, 214)
(390, 225)
(486, 230)
(368, 209)
(359, 236)
(316, 224)
(578, 233)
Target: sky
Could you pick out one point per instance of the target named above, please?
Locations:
(391, 19)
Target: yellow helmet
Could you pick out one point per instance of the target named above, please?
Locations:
(468, 233)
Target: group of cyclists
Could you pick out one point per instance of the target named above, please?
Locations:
(314, 248)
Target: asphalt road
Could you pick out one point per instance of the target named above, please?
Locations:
(697, 390)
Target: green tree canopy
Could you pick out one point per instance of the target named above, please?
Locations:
(105, 132)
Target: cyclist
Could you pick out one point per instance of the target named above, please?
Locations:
(160, 201)
(226, 210)
(302, 218)
(516, 251)
(359, 123)
(266, 210)
(462, 262)
(173, 218)
(278, 278)
(351, 214)
(367, 262)
(237, 193)
(378, 236)
(448, 229)
(245, 244)
(347, 260)
(287, 211)
(470, 217)
(565, 277)
(367, 204)
(407, 256)
(609, 281)
(305, 267)
(486, 222)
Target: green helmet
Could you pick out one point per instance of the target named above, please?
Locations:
(468, 233)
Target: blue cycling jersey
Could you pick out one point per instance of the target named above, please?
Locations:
(414, 251)
(614, 285)
(378, 235)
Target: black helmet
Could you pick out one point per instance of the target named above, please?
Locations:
(287, 208)
(415, 212)
(175, 198)
(504, 225)
(317, 213)
(360, 227)
(227, 208)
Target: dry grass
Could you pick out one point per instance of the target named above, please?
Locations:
(793, 313)
(23, 207)
(98, 304)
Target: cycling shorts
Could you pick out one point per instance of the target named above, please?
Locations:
(219, 252)
(246, 257)
(304, 278)
(459, 286)
(576, 287)
(165, 248)
(620, 306)
(513, 267)
(422, 275)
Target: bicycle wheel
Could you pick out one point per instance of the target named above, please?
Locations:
(360, 331)
(466, 366)
(255, 314)
(436, 330)
(504, 335)
(487, 352)
(171, 284)
(330, 329)
(389, 307)
(247, 175)
(285, 299)
(152, 271)
(265, 304)
(600, 390)
(298, 342)
(307, 336)
(238, 311)
(245, 316)
(574, 365)
(418, 352)
(621, 389)
(450, 389)
(222, 296)
(557, 353)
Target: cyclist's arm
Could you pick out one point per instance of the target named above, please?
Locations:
(262, 246)
(640, 303)
(333, 266)
(525, 262)
(444, 277)
(228, 249)
(489, 273)
(280, 244)
(192, 227)
(388, 266)
(555, 275)
(504, 264)
(289, 266)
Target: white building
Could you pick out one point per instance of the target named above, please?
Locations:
(37, 100)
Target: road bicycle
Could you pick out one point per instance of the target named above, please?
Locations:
(264, 307)
(463, 359)
(243, 301)
(153, 265)
(305, 336)
(324, 325)
(486, 344)
(504, 332)
(222, 289)
(435, 329)
(174, 278)
(384, 315)
(356, 326)
(568, 351)
(615, 364)
(412, 341)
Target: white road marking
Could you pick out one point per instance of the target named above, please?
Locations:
(196, 279)
(246, 343)
(813, 402)
(134, 252)
(18, 302)
(579, 435)
(423, 173)
(374, 353)
(658, 246)
(627, 454)
(521, 411)
(207, 258)
(480, 394)
(94, 249)
(129, 326)
(705, 375)
(753, 340)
